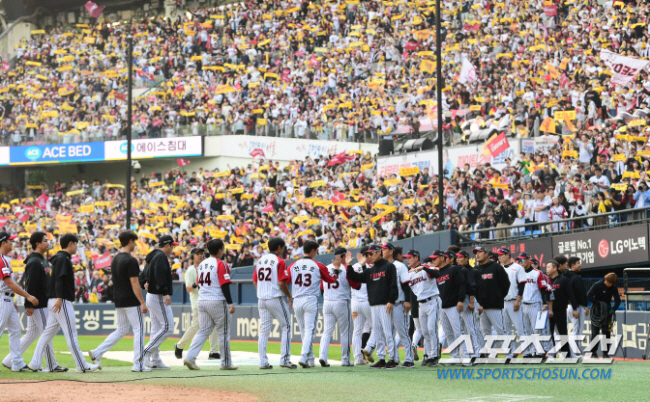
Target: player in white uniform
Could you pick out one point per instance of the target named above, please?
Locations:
(536, 291)
(401, 321)
(192, 288)
(306, 275)
(425, 288)
(361, 315)
(336, 308)
(271, 277)
(8, 314)
(215, 306)
(512, 313)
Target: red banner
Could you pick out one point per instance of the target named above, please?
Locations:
(103, 262)
(3, 221)
(550, 10)
(497, 144)
(411, 46)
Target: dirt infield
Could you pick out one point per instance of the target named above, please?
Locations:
(63, 391)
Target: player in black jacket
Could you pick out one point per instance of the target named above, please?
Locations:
(562, 296)
(61, 295)
(601, 293)
(35, 281)
(469, 325)
(578, 311)
(492, 285)
(381, 281)
(451, 285)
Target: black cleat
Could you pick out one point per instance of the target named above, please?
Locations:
(214, 356)
(439, 351)
(346, 365)
(304, 365)
(432, 362)
(368, 356)
(323, 363)
(289, 366)
(391, 365)
(267, 367)
(379, 365)
(59, 369)
(178, 352)
(408, 365)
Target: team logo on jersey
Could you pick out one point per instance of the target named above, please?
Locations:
(443, 279)
(487, 276)
(377, 275)
(417, 280)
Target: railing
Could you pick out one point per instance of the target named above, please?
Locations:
(607, 220)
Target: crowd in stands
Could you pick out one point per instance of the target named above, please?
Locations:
(342, 70)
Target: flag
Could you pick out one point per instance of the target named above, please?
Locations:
(340, 158)
(258, 152)
(146, 75)
(93, 9)
(103, 261)
(338, 197)
(268, 208)
(467, 72)
(41, 202)
(497, 144)
(624, 68)
(182, 162)
(5, 66)
(120, 96)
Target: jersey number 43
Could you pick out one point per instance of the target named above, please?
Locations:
(299, 280)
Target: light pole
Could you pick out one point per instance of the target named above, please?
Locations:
(129, 114)
(441, 203)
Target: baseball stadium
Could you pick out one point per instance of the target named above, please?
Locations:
(331, 200)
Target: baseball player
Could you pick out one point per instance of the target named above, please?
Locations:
(512, 315)
(306, 276)
(361, 316)
(8, 313)
(191, 286)
(422, 280)
(60, 297)
(577, 309)
(157, 279)
(381, 281)
(562, 296)
(492, 286)
(35, 282)
(336, 308)
(451, 285)
(468, 319)
(129, 303)
(402, 305)
(215, 306)
(534, 300)
(271, 277)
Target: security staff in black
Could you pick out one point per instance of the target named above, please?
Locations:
(562, 296)
(156, 278)
(35, 281)
(451, 285)
(600, 295)
(60, 297)
(381, 282)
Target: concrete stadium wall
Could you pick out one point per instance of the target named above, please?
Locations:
(9, 41)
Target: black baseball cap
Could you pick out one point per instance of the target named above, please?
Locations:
(503, 251)
(388, 245)
(534, 261)
(412, 253)
(479, 248)
(436, 254)
(363, 250)
(340, 251)
(450, 254)
(196, 251)
(492, 255)
(372, 249)
(462, 253)
(4, 236)
(523, 256)
(165, 240)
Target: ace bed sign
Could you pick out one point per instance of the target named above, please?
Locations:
(155, 148)
(57, 153)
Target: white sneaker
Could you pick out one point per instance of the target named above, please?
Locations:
(95, 359)
(91, 367)
(144, 369)
(233, 367)
(160, 366)
(191, 365)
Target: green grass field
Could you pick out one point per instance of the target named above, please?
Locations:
(627, 381)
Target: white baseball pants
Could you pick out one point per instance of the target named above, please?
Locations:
(451, 326)
(362, 324)
(382, 327)
(192, 330)
(269, 309)
(35, 326)
(162, 325)
(336, 312)
(214, 315)
(126, 317)
(305, 309)
(9, 318)
(401, 325)
(429, 325)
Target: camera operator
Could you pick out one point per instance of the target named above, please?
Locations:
(504, 213)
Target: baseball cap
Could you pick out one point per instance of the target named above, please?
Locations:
(388, 245)
(196, 251)
(372, 249)
(436, 254)
(363, 250)
(523, 256)
(492, 255)
(503, 251)
(450, 254)
(462, 253)
(340, 251)
(479, 248)
(4, 236)
(412, 253)
(165, 240)
(534, 261)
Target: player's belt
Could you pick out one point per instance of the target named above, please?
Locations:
(427, 299)
(9, 294)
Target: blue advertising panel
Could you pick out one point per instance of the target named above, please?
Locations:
(57, 153)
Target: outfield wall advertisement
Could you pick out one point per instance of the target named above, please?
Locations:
(101, 319)
(101, 151)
